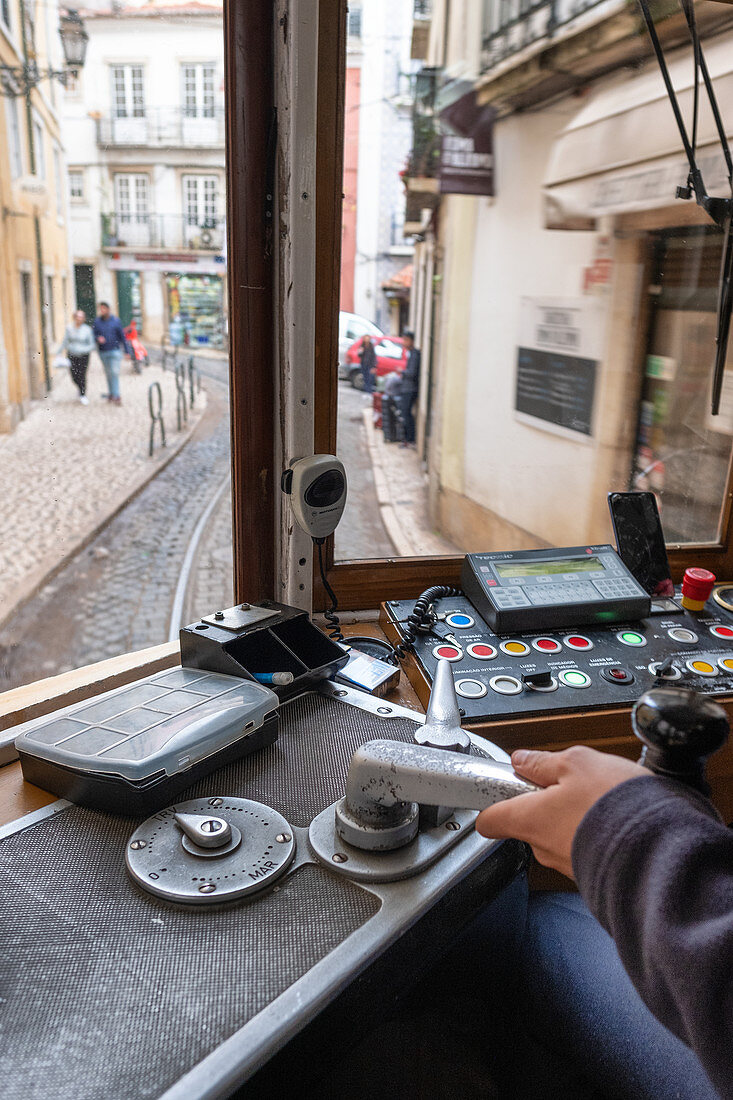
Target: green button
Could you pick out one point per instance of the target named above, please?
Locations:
(575, 679)
(630, 638)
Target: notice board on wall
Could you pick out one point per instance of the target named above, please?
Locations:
(557, 363)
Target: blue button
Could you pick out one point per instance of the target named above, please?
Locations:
(458, 619)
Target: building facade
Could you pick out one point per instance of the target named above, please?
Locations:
(384, 131)
(34, 268)
(144, 127)
(566, 315)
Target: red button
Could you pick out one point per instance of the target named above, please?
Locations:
(447, 651)
(617, 673)
(482, 650)
(724, 632)
(547, 643)
(579, 643)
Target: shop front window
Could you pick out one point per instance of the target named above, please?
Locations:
(196, 305)
(682, 451)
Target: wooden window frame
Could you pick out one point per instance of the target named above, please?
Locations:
(364, 584)
(252, 240)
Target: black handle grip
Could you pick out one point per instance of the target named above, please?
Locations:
(679, 729)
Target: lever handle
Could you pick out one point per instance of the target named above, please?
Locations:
(679, 729)
(388, 779)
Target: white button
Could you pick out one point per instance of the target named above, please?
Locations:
(505, 685)
(681, 634)
(470, 689)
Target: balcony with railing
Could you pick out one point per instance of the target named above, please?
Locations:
(163, 127)
(512, 26)
(420, 176)
(163, 231)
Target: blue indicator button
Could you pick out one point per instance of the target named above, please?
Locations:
(458, 619)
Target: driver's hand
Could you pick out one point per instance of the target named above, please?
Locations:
(574, 780)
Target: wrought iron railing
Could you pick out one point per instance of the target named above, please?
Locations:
(510, 26)
(425, 153)
(164, 127)
(173, 231)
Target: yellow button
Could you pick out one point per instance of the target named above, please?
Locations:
(515, 647)
(702, 666)
(726, 662)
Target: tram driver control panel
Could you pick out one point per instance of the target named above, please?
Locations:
(552, 648)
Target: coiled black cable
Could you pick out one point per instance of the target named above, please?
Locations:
(334, 626)
(418, 617)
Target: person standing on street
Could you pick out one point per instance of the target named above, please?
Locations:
(111, 343)
(368, 358)
(409, 389)
(78, 343)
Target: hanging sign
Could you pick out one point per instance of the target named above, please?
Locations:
(467, 148)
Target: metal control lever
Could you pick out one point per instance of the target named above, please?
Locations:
(442, 728)
(388, 779)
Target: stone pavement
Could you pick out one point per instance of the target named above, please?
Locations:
(402, 492)
(67, 468)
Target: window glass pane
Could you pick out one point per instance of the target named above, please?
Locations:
(15, 148)
(76, 185)
(562, 297)
(80, 495)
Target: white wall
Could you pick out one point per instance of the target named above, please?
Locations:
(385, 135)
(528, 475)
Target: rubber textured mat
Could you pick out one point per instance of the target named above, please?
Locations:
(106, 992)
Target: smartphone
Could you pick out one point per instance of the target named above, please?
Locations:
(640, 540)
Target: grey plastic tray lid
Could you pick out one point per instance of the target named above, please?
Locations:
(164, 723)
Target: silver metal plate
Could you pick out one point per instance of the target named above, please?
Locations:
(363, 866)
(236, 618)
(158, 861)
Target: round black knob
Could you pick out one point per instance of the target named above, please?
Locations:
(680, 729)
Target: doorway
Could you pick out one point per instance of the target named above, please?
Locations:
(84, 289)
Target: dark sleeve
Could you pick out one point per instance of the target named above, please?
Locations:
(654, 863)
(95, 329)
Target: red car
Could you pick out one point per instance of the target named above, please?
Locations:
(391, 355)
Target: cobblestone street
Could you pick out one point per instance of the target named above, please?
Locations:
(115, 596)
(66, 468)
(165, 558)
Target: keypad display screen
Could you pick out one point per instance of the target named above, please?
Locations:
(546, 568)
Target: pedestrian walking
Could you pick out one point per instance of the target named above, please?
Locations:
(111, 344)
(78, 343)
(368, 358)
(409, 388)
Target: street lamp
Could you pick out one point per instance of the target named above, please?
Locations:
(16, 81)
